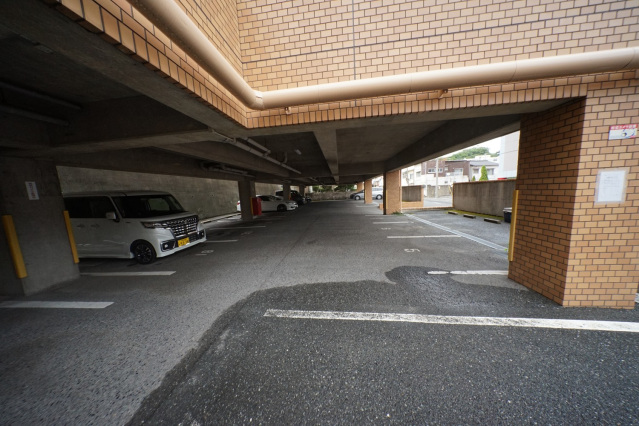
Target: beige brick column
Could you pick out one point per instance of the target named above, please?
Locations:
(392, 192)
(360, 186)
(368, 192)
(569, 247)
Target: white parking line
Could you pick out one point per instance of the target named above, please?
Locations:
(56, 305)
(219, 241)
(461, 234)
(617, 326)
(126, 274)
(468, 272)
(384, 223)
(423, 236)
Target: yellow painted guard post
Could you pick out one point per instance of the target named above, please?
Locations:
(14, 246)
(74, 249)
(513, 225)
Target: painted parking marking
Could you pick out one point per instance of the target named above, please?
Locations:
(55, 305)
(615, 326)
(219, 241)
(468, 272)
(385, 223)
(423, 236)
(126, 274)
(461, 234)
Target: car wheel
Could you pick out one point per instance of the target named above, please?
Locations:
(143, 252)
(357, 197)
(379, 197)
(281, 208)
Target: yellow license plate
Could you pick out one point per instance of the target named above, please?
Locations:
(183, 242)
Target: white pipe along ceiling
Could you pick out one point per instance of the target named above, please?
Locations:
(172, 20)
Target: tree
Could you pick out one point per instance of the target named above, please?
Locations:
(484, 173)
(469, 153)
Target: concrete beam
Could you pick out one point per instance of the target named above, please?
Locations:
(220, 152)
(156, 140)
(38, 22)
(453, 136)
(146, 160)
(327, 140)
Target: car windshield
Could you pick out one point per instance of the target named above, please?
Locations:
(140, 206)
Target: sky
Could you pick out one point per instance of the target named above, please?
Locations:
(493, 145)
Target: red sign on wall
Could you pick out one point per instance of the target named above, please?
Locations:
(624, 131)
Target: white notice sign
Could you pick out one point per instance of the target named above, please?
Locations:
(611, 186)
(32, 190)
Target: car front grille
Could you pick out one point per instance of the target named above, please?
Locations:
(184, 226)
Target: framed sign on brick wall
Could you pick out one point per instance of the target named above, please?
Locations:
(611, 186)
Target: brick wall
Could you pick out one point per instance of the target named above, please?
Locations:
(294, 43)
(567, 247)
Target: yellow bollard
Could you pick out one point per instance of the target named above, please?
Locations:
(74, 249)
(513, 224)
(14, 246)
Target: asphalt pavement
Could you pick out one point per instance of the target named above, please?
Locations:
(331, 314)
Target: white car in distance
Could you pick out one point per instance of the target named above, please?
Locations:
(272, 203)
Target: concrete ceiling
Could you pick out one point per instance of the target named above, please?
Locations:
(68, 95)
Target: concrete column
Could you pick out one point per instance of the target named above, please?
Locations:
(571, 245)
(392, 192)
(360, 186)
(38, 219)
(286, 191)
(302, 190)
(247, 191)
(368, 192)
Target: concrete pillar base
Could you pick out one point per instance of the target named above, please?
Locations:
(31, 196)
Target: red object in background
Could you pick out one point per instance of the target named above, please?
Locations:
(256, 206)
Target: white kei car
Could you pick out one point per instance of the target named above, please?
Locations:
(272, 203)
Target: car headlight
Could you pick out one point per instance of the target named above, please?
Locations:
(152, 225)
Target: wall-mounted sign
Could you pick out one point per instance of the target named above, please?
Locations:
(611, 186)
(32, 191)
(624, 131)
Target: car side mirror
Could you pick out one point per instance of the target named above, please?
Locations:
(112, 216)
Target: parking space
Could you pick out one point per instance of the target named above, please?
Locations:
(332, 313)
